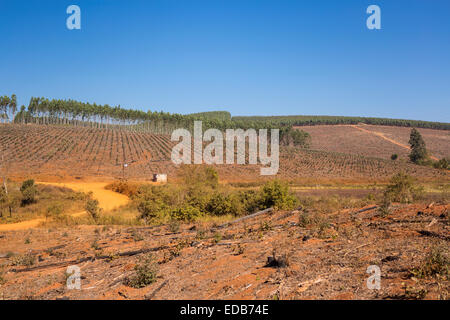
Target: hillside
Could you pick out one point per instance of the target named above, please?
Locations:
(60, 152)
(375, 141)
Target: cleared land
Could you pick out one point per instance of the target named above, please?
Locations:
(382, 143)
(323, 260)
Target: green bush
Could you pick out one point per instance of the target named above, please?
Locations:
(403, 188)
(225, 204)
(146, 273)
(29, 192)
(185, 213)
(199, 194)
(154, 201)
(276, 194)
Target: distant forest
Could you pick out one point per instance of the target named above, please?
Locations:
(70, 112)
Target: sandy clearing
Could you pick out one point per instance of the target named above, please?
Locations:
(107, 199)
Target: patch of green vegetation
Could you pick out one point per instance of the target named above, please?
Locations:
(403, 188)
(437, 262)
(146, 273)
(199, 195)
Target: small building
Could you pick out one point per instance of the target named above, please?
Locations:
(159, 177)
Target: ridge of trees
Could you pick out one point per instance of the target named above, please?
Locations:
(329, 120)
(71, 112)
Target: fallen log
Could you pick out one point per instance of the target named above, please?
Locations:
(245, 218)
(150, 296)
(90, 258)
(364, 210)
(434, 235)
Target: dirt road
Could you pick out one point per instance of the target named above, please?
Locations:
(381, 135)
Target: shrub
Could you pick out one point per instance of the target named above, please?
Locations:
(276, 194)
(154, 201)
(29, 192)
(251, 200)
(146, 272)
(185, 213)
(26, 260)
(394, 156)
(402, 188)
(195, 175)
(442, 164)
(198, 197)
(224, 204)
(123, 187)
(385, 207)
(304, 219)
(55, 211)
(92, 208)
(436, 262)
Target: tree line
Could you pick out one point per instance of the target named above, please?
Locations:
(329, 120)
(70, 112)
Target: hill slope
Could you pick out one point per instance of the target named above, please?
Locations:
(70, 152)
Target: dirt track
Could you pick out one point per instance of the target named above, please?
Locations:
(379, 134)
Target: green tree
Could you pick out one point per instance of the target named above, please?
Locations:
(418, 153)
(29, 192)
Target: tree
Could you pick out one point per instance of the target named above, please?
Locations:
(13, 106)
(29, 192)
(418, 153)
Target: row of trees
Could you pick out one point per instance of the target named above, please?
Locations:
(8, 108)
(70, 112)
(329, 120)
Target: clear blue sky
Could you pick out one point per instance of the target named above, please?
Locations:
(251, 57)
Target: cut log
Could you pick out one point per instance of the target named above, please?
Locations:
(246, 217)
(90, 258)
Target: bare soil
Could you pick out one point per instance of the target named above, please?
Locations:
(322, 261)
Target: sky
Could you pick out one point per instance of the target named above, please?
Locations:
(249, 57)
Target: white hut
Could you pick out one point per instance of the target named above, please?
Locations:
(159, 177)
